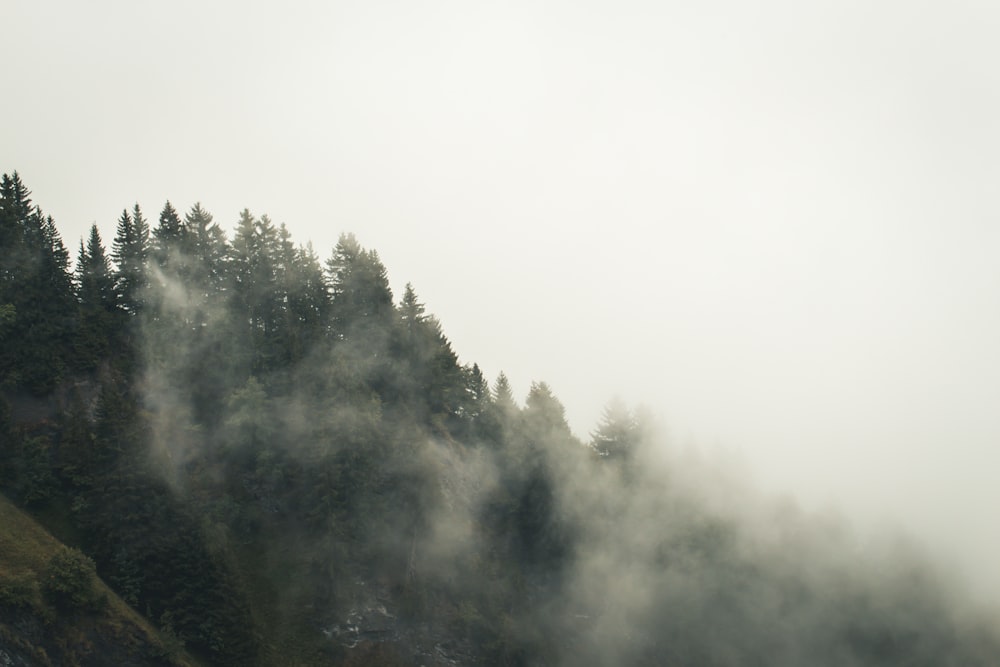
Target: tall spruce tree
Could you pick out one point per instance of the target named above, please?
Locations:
(544, 414)
(253, 258)
(308, 306)
(204, 252)
(95, 289)
(206, 249)
(130, 251)
(168, 238)
(359, 286)
(35, 290)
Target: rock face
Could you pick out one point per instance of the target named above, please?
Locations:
(371, 624)
(372, 633)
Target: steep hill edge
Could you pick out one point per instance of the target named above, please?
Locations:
(38, 629)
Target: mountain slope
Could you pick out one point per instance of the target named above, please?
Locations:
(38, 627)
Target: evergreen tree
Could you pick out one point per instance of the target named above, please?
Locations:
(99, 323)
(430, 379)
(617, 435)
(477, 392)
(308, 305)
(206, 251)
(502, 413)
(35, 291)
(167, 270)
(361, 300)
(15, 209)
(446, 390)
(168, 238)
(130, 251)
(411, 311)
(475, 407)
(503, 397)
(254, 279)
(545, 416)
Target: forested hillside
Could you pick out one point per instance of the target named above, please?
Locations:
(277, 461)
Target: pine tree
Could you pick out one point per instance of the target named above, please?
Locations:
(99, 322)
(477, 391)
(302, 297)
(95, 283)
(617, 434)
(168, 238)
(502, 395)
(361, 300)
(311, 302)
(411, 311)
(35, 291)
(445, 393)
(130, 251)
(167, 268)
(15, 208)
(430, 379)
(476, 405)
(544, 414)
(206, 250)
(204, 254)
(253, 276)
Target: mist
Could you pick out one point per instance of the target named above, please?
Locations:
(281, 460)
(525, 543)
(774, 227)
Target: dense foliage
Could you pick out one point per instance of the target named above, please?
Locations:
(277, 463)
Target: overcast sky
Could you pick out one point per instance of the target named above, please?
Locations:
(775, 223)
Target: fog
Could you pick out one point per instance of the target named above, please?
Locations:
(773, 225)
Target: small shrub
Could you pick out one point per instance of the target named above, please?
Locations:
(69, 579)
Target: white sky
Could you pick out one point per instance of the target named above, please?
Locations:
(775, 223)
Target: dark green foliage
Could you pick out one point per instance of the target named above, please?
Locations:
(167, 570)
(205, 255)
(100, 327)
(502, 394)
(69, 579)
(130, 252)
(35, 291)
(277, 465)
(169, 240)
(308, 306)
(29, 468)
(359, 288)
(253, 260)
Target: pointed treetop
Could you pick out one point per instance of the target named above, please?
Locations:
(502, 394)
(618, 432)
(15, 198)
(544, 410)
(170, 222)
(198, 219)
(410, 309)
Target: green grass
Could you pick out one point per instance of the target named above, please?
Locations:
(25, 551)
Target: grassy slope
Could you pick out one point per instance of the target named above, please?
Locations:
(37, 631)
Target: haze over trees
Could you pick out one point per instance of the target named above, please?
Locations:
(278, 462)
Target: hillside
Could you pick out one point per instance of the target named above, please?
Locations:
(38, 628)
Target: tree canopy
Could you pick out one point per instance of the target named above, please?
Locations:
(277, 463)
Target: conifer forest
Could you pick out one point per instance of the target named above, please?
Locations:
(220, 445)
